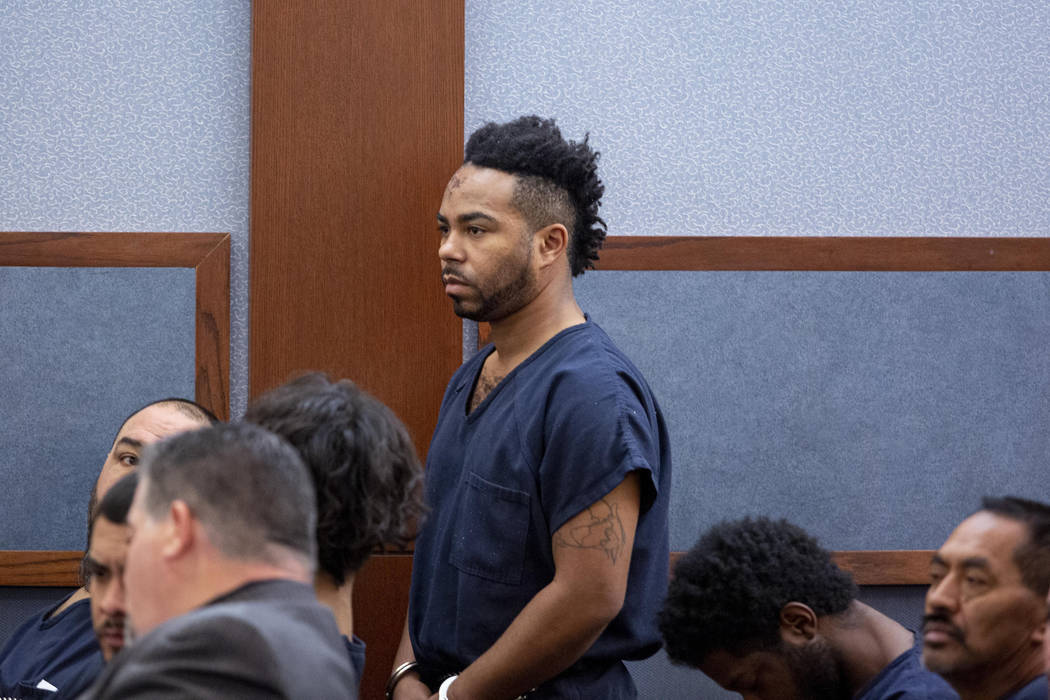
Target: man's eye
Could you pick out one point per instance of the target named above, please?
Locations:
(128, 460)
(475, 231)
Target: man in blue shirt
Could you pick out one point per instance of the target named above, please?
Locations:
(760, 607)
(544, 558)
(57, 647)
(984, 628)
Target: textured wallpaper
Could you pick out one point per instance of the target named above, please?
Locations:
(130, 115)
(80, 349)
(760, 117)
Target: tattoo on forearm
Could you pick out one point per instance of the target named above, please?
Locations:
(603, 532)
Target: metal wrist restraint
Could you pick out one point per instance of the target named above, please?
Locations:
(410, 666)
(397, 675)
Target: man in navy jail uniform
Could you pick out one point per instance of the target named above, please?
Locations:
(544, 559)
(761, 608)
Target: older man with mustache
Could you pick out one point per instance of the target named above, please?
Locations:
(986, 608)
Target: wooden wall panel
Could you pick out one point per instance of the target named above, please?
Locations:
(823, 253)
(380, 602)
(357, 124)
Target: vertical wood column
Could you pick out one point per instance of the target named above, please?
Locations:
(357, 123)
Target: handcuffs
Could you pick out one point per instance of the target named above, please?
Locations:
(410, 666)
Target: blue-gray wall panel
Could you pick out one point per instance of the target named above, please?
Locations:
(80, 348)
(871, 408)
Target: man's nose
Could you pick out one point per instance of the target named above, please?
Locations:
(451, 247)
(113, 599)
(943, 595)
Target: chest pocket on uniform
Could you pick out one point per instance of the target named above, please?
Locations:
(490, 531)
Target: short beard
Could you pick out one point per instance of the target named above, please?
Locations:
(817, 670)
(513, 291)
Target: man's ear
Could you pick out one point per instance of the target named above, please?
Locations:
(1040, 635)
(550, 242)
(179, 533)
(798, 623)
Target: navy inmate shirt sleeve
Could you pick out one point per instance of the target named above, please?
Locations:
(597, 430)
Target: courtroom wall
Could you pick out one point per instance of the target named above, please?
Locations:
(130, 116)
(762, 118)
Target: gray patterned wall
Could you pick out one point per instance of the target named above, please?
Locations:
(130, 115)
(115, 115)
(722, 118)
(761, 117)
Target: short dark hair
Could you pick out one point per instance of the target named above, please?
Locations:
(364, 466)
(246, 486)
(115, 504)
(187, 407)
(1033, 555)
(728, 590)
(557, 180)
(114, 507)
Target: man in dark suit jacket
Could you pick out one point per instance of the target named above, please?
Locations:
(218, 576)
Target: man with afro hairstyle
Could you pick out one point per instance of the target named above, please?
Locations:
(759, 607)
(544, 559)
(366, 474)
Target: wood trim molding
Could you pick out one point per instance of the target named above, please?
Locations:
(813, 253)
(831, 253)
(40, 568)
(869, 568)
(207, 253)
(874, 568)
(887, 568)
(209, 256)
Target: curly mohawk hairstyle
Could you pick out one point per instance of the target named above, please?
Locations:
(367, 477)
(728, 590)
(557, 180)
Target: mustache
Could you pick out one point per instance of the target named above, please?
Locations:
(944, 623)
(113, 624)
(447, 272)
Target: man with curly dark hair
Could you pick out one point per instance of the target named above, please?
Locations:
(366, 474)
(544, 558)
(985, 625)
(762, 609)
